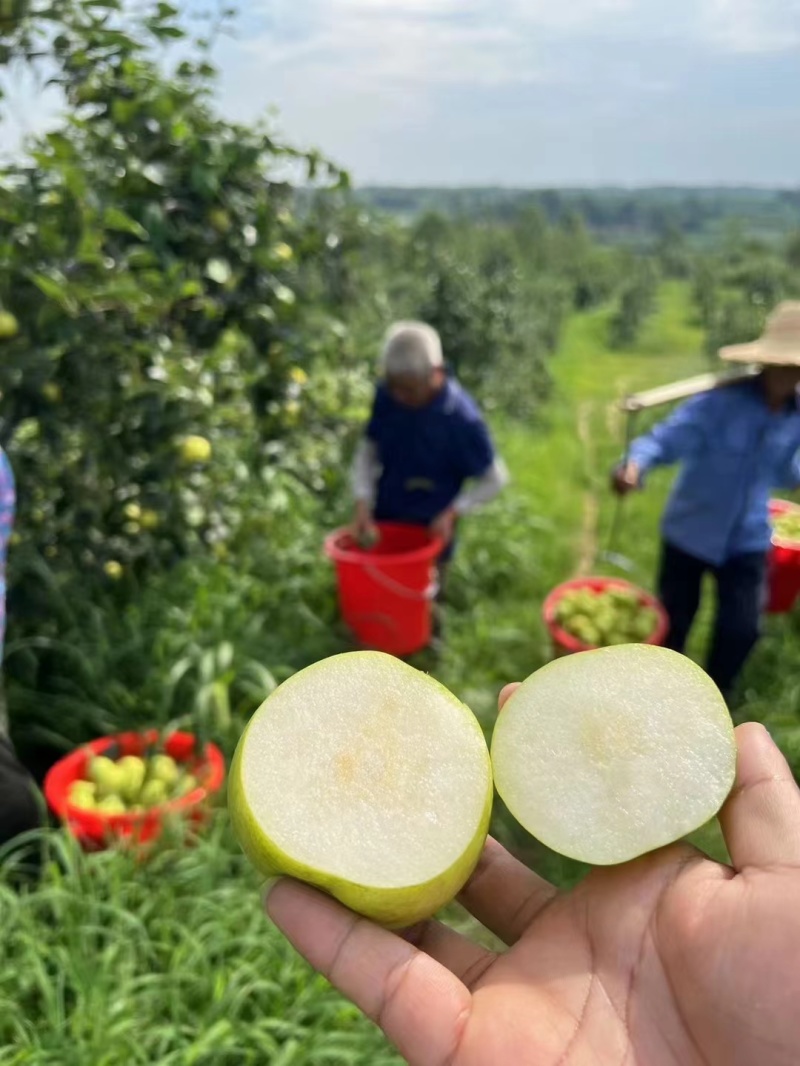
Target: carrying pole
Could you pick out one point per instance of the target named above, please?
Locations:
(682, 390)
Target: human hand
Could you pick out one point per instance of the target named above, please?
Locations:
(626, 478)
(444, 525)
(364, 530)
(669, 960)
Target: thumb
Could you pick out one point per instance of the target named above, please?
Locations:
(761, 819)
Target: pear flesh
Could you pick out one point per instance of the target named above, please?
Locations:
(607, 755)
(368, 779)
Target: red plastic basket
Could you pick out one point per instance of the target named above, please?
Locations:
(783, 565)
(96, 831)
(565, 643)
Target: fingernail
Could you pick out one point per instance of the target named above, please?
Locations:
(267, 888)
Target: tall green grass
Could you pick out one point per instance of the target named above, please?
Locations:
(111, 962)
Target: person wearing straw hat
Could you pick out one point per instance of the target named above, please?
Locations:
(735, 445)
(425, 440)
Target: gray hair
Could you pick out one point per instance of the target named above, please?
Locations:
(411, 349)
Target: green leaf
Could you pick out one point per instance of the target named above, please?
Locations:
(224, 656)
(167, 32)
(154, 174)
(116, 219)
(219, 270)
(123, 111)
(55, 289)
(285, 295)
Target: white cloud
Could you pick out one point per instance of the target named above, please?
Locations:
(405, 43)
(463, 89)
(754, 26)
(427, 41)
(421, 44)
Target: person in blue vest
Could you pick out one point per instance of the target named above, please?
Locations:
(427, 457)
(736, 445)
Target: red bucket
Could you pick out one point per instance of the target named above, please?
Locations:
(565, 643)
(95, 830)
(783, 566)
(386, 592)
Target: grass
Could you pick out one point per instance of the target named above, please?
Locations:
(110, 962)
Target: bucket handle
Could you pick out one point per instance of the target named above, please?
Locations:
(430, 593)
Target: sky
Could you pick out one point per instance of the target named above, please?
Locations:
(527, 92)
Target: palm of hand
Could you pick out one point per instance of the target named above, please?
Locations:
(663, 961)
(670, 960)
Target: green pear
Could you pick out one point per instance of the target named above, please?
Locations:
(186, 783)
(615, 637)
(585, 630)
(605, 618)
(111, 805)
(626, 599)
(195, 449)
(107, 776)
(366, 778)
(585, 600)
(614, 753)
(567, 608)
(787, 526)
(82, 794)
(9, 326)
(153, 794)
(164, 768)
(135, 770)
(644, 624)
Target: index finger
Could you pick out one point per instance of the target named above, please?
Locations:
(418, 1003)
(506, 694)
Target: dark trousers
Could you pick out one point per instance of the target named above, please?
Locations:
(740, 593)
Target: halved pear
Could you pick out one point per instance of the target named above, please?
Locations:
(368, 779)
(610, 754)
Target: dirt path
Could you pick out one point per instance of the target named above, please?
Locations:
(587, 550)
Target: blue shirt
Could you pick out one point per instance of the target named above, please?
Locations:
(734, 452)
(427, 453)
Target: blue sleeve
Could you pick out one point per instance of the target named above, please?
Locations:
(477, 450)
(678, 437)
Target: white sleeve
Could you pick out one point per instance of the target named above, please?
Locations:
(483, 489)
(366, 471)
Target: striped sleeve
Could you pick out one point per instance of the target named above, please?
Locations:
(8, 502)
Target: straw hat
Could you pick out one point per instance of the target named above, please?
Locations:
(778, 345)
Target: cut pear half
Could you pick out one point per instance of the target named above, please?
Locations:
(368, 779)
(607, 755)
